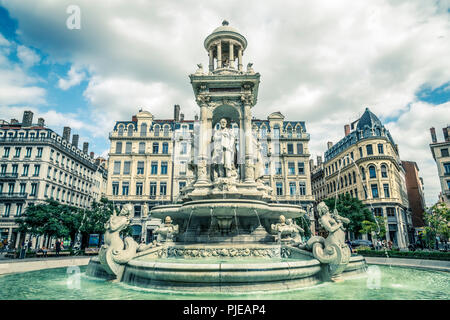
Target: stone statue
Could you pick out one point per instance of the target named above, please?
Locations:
(224, 144)
(258, 159)
(249, 68)
(200, 69)
(332, 250)
(114, 253)
(287, 231)
(167, 231)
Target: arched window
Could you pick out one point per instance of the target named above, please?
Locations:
(383, 171)
(166, 131)
(372, 172)
(263, 131)
(276, 132)
(298, 130)
(130, 130)
(289, 131)
(156, 129)
(120, 133)
(165, 148)
(143, 130)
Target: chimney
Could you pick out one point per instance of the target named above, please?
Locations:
(176, 112)
(347, 129)
(14, 121)
(181, 116)
(311, 164)
(66, 134)
(75, 139)
(41, 122)
(319, 160)
(27, 119)
(445, 131)
(92, 154)
(85, 147)
(134, 118)
(329, 144)
(433, 135)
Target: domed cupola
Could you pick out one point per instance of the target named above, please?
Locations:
(224, 45)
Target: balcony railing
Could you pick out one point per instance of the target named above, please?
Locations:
(13, 195)
(8, 175)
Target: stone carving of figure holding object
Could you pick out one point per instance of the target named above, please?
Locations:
(224, 143)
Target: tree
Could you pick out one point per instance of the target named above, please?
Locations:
(437, 220)
(378, 227)
(352, 209)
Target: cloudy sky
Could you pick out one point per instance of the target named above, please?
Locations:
(320, 61)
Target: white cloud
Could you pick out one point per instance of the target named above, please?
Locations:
(28, 57)
(74, 77)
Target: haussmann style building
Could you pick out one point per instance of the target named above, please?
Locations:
(440, 152)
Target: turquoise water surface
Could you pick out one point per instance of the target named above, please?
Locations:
(382, 282)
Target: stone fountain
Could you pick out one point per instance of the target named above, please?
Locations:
(227, 233)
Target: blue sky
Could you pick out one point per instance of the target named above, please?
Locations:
(321, 62)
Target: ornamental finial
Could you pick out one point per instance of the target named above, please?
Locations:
(225, 22)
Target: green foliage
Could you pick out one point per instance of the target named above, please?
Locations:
(437, 220)
(372, 227)
(431, 255)
(352, 209)
(95, 218)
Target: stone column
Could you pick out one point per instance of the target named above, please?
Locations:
(249, 172)
(203, 145)
(240, 59)
(10, 234)
(231, 55)
(219, 55)
(211, 60)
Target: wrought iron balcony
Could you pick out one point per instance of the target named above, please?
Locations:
(13, 195)
(8, 175)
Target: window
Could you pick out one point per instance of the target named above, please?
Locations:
(162, 188)
(182, 167)
(380, 149)
(363, 173)
(447, 168)
(15, 168)
(444, 152)
(28, 152)
(7, 209)
(25, 170)
(164, 167)
(120, 133)
(22, 188)
(351, 155)
(130, 130)
(378, 212)
(299, 148)
(166, 131)
(165, 148)
(276, 132)
(125, 188)
(369, 149)
(448, 184)
(126, 167)
(117, 167)
(390, 211)
(263, 132)
(139, 188)
(37, 168)
(354, 177)
(153, 188)
(39, 153)
(119, 147)
(137, 211)
(302, 188)
(128, 147)
(17, 152)
(290, 148)
(372, 172)
(143, 130)
(289, 132)
(115, 188)
(267, 168)
(154, 167)
(141, 147)
(276, 148)
(291, 168)
(156, 129)
(155, 147)
(6, 152)
(386, 190)
(301, 167)
(183, 148)
(278, 168)
(140, 167)
(4, 166)
(374, 188)
(279, 188)
(360, 152)
(264, 149)
(10, 188)
(33, 189)
(181, 185)
(292, 188)
(383, 171)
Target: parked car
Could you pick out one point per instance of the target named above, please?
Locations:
(361, 242)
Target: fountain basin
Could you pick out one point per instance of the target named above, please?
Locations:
(227, 207)
(237, 268)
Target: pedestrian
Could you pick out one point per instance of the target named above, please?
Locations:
(30, 244)
(58, 247)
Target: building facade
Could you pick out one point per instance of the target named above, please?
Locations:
(151, 161)
(37, 164)
(440, 152)
(416, 199)
(366, 165)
